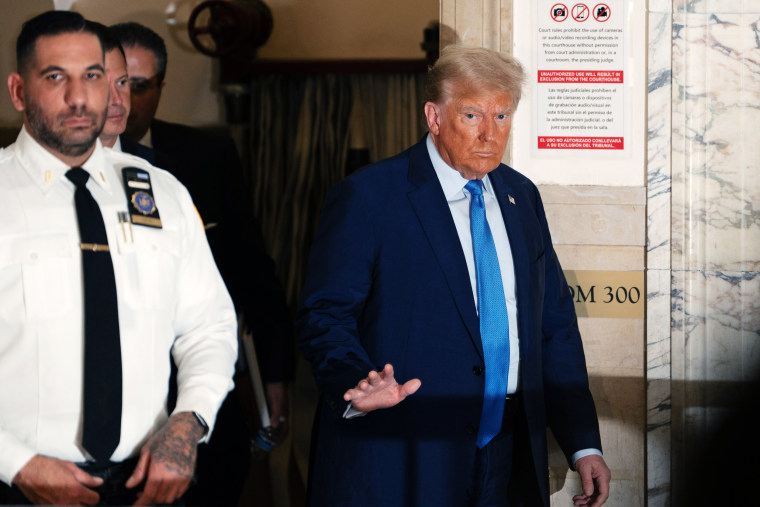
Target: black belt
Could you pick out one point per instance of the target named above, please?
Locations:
(112, 471)
(112, 491)
(512, 407)
(114, 477)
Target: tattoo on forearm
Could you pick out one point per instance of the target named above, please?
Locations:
(176, 447)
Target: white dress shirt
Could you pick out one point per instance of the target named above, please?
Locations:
(170, 298)
(459, 203)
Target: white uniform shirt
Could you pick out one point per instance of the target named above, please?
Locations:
(169, 294)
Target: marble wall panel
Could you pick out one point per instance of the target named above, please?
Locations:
(716, 187)
(470, 23)
(620, 405)
(715, 291)
(600, 257)
(587, 215)
(596, 224)
(658, 339)
(585, 194)
(614, 348)
(658, 142)
(711, 6)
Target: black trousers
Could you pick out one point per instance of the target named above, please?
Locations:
(112, 491)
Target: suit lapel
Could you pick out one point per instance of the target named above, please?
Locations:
(432, 210)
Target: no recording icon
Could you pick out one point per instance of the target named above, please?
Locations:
(559, 12)
(580, 12)
(602, 12)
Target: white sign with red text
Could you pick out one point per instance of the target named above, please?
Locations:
(581, 101)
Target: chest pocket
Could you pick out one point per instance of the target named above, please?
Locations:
(148, 267)
(36, 277)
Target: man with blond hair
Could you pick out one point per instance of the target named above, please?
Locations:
(436, 266)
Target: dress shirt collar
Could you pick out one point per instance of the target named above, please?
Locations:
(45, 169)
(451, 180)
(117, 145)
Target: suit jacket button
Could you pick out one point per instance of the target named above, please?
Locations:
(470, 429)
(477, 370)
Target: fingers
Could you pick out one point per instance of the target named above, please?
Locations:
(580, 501)
(585, 467)
(373, 379)
(604, 493)
(277, 400)
(89, 497)
(587, 482)
(140, 469)
(595, 481)
(368, 384)
(163, 486)
(84, 478)
(380, 390)
(51, 481)
(274, 416)
(410, 387)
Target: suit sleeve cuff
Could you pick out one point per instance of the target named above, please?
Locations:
(15, 456)
(202, 401)
(351, 412)
(584, 452)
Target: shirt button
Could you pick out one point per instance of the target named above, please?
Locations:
(33, 256)
(470, 429)
(477, 370)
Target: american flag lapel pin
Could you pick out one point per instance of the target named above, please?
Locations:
(511, 199)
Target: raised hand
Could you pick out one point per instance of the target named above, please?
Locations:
(380, 390)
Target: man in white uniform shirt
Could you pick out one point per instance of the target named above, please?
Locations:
(171, 298)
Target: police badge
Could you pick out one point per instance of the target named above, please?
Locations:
(141, 203)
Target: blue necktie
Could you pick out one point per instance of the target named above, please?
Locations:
(494, 321)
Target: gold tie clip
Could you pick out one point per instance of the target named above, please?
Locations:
(94, 247)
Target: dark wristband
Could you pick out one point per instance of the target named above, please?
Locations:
(202, 422)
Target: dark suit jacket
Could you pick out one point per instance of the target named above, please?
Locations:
(211, 170)
(388, 283)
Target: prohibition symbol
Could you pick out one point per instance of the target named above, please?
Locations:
(580, 12)
(559, 12)
(602, 12)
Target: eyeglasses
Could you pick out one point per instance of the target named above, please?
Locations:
(141, 85)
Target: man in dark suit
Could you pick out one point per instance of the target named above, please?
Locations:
(211, 170)
(437, 266)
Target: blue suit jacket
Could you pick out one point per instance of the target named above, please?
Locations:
(388, 283)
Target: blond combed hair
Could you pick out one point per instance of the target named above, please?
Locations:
(473, 69)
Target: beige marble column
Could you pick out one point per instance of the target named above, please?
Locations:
(481, 23)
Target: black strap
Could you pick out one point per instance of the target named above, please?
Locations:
(102, 349)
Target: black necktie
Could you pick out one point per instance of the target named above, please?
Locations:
(101, 428)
